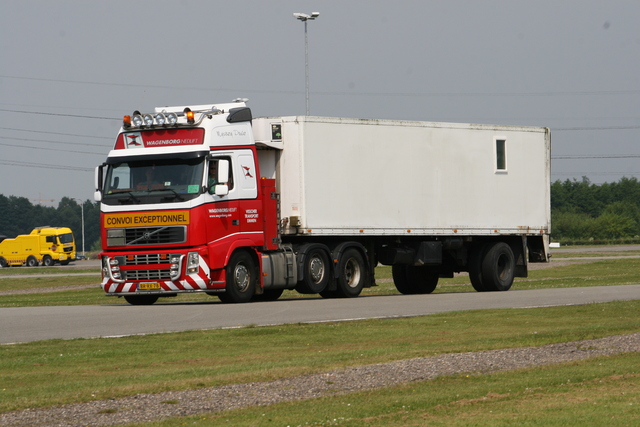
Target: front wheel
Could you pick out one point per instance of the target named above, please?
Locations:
(47, 261)
(32, 262)
(241, 279)
(352, 274)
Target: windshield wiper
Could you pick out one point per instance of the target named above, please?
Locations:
(131, 197)
(178, 196)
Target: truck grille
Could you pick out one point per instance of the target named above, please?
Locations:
(159, 266)
(155, 235)
(161, 274)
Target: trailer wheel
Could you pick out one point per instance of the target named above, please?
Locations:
(475, 267)
(399, 273)
(141, 299)
(32, 262)
(241, 279)
(412, 280)
(47, 261)
(352, 274)
(498, 267)
(268, 295)
(316, 272)
(3, 263)
(423, 279)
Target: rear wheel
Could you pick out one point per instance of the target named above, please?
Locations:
(400, 280)
(423, 279)
(352, 274)
(141, 299)
(498, 267)
(47, 261)
(3, 263)
(32, 262)
(475, 267)
(411, 280)
(316, 273)
(241, 279)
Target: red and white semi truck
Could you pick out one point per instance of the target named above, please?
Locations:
(209, 199)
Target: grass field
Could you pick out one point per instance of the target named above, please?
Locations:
(593, 392)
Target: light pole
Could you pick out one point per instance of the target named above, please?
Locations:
(304, 18)
(82, 213)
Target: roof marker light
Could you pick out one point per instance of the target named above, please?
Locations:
(148, 119)
(126, 121)
(190, 115)
(172, 118)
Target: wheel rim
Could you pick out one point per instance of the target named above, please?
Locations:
(503, 266)
(316, 269)
(241, 277)
(352, 273)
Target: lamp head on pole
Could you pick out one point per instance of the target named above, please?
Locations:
(304, 17)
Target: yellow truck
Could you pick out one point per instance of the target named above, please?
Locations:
(44, 245)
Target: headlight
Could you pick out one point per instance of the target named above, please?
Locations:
(148, 119)
(193, 262)
(172, 118)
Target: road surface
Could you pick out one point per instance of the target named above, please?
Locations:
(24, 324)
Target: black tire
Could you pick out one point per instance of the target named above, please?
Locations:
(241, 279)
(268, 295)
(400, 279)
(412, 280)
(32, 262)
(423, 279)
(47, 261)
(3, 263)
(498, 267)
(316, 272)
(352, 274)
(141, 299)
(475, 267)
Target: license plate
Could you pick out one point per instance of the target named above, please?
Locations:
(151, 285)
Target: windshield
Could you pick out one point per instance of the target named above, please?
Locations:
(66, 238)
(153, 181)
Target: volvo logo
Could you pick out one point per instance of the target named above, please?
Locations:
(146, 236)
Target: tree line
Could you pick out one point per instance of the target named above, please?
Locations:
(19, 216)
(581, 212)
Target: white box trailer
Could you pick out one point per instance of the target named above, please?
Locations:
(381, 177)
(430, 199)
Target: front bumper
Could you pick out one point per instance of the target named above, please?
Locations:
(158, 273)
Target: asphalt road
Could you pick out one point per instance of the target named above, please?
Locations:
(26, 324)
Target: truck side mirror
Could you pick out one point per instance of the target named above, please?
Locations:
(97, 196)
(223, 171)
(221, 190)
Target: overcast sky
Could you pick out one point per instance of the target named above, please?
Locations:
(69, 71)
